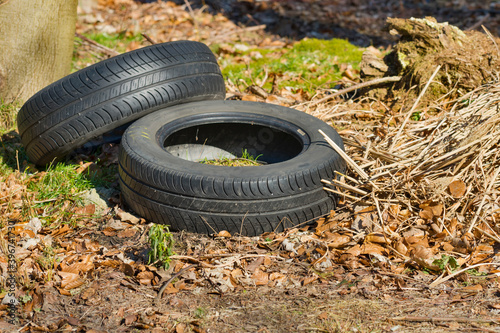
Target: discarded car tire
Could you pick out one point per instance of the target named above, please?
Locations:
(114, 92)
(165, 184)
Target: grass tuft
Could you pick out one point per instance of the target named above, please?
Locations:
(58, 183)
(8, 115)
(309, 64)
(161, 242)
(246, 159)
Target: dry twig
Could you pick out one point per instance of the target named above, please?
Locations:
(361, 85)
(165, 285)
(446, 319)
(97, 46)
(409, 113)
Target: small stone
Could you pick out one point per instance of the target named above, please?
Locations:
(93, 197)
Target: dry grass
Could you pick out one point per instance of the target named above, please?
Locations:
(439, 175)
(245, 160)
(8, 114)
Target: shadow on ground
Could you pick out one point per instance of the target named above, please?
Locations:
(360, 22)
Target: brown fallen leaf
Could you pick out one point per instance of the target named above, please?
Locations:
(437, 209)
(308, 280)
(110, 263)
(236, 273)
(146, 275)
(473, 289)
(129, 285)
(73, 321)
(336, 240)
(267, 261)
(88, 210)
(275, 276)
(130, 319)
(127, 217)
(323, 316)
(61, 231)
(447, 246)
(426, 213)
(83, 167)
(278, 100)
(376, 237)
(129, 232)
(354, 251)
(373, 249)
(181, 285)
(70, 280)
(413, 241)
(127, 269)
(170, 289)
(321, 226)
(198, 329)
(110, 232)
(224, 233)
(27, 233)
(251, 98)
(254, 265)
(430, 210)
(180, 328)
(421, 252)
(401, 247)
(457, 188)
(88, 293)
(349, 73)
(79, 267)
(256, 90)
(64, 291)
(260, 278)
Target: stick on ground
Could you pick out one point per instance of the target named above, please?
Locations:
(165, 285)
(398, 134)
(358, 86)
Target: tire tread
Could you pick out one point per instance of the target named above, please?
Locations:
(133, 82)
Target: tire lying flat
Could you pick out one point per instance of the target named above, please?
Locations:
(114, 92)
(165, 185)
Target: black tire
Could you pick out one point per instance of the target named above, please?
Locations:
(249, 200)
(113, 92)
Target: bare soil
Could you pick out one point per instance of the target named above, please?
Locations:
(347, 300)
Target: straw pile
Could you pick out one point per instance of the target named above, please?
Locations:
(426, 188)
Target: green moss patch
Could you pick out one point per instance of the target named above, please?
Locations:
(83, 57)
(308, 64)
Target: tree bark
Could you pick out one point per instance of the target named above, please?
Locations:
(36, 38)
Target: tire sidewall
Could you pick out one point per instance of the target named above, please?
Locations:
(142, 140)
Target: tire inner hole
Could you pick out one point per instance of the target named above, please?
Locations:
(230, 140)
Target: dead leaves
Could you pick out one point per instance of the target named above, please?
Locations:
(224, 233)
(127, 217)
(54, 251)
(457, 188)
(431, 210)
(260, 278)
(69, 281)
(336, 240)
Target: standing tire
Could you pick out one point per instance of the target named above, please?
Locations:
(114, 92)
(161, 180)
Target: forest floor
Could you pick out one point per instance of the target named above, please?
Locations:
(413, 259)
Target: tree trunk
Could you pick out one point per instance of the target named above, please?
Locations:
(36, 45)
